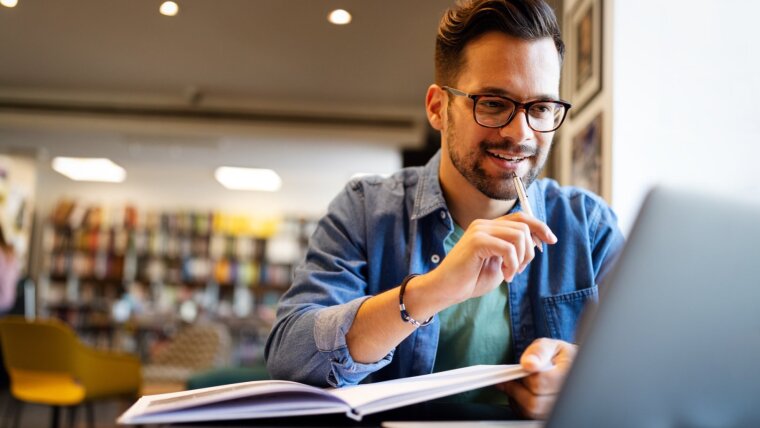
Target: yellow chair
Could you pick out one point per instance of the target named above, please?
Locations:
(48, 365)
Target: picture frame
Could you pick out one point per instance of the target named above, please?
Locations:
(584, 53)
(588, 159)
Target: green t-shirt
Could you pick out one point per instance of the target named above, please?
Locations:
(476, 331)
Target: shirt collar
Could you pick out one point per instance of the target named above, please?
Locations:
(429, 196)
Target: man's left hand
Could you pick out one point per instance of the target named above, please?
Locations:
(549, 361)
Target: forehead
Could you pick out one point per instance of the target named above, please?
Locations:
(520, 68)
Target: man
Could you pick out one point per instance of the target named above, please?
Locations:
(489, 296)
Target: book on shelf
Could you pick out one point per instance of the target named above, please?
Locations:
(275, 398)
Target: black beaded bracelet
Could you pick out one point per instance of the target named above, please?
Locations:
(404, 314)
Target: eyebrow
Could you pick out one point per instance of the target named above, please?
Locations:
(493, 90)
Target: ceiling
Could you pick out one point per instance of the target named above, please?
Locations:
(249, 55)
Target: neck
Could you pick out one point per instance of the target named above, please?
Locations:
(465, 201)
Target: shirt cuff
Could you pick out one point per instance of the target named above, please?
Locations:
(330, 328)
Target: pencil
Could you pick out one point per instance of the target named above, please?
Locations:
(525, 205)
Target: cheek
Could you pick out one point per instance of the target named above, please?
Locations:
(544, 143)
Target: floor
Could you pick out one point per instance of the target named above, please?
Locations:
(36, 416)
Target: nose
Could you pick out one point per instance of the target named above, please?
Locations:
(517, 129)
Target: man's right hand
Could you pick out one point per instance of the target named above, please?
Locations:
(489, 252)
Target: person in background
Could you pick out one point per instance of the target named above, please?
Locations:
(482, 280)
(9, 274)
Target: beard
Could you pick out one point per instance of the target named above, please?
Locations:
(469, 163)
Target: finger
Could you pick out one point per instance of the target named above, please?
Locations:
(532, 405)
(519, 235)
(538, 355)
(504, 227)
(537, 227)
(550, 381)
(514, 233)
(546, 382)
(488, 247)
(510, 262)
(530, 253)
(566, 354)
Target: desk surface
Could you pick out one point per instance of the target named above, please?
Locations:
(417, 412)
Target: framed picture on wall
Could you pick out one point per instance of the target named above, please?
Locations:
(587, 160)
(584, 53)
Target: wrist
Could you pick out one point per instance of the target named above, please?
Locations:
(423, 296)
(405, 316)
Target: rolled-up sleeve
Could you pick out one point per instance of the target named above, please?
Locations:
(308, 340)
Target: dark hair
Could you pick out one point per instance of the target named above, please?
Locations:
(468, 19)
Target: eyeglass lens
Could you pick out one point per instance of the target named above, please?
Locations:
(496, 112)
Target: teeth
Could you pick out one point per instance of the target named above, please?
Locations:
(506, 158)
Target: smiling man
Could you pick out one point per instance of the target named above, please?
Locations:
(450, 240)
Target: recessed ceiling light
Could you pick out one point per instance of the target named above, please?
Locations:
(234, 178)
(339, 17)
(9, 3)
(90, 169)
(169, 8)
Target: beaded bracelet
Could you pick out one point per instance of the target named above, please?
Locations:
(404, 314)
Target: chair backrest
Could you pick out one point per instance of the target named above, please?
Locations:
(29, 345)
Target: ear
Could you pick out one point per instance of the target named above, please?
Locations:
(434, 106)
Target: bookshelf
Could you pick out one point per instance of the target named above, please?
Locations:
(125, 278)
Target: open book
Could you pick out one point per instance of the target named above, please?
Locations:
(266, 399)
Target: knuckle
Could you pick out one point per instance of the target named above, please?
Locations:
(479, 237)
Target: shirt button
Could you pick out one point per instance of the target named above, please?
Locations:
(443, 215)
(435, 258)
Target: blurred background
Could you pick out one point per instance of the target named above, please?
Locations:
(153, 236)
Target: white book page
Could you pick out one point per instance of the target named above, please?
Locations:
(375, 397)
(248, 408)
(162, 403)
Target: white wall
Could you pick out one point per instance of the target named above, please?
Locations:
(685, 97)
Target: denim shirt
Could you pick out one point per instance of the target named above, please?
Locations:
(379, 230)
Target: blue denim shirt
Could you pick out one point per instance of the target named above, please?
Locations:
(378, 230)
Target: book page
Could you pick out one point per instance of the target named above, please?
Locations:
(292, 392)
(376, 397)
(259, 406)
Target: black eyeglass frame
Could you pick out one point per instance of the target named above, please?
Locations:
(518, 106)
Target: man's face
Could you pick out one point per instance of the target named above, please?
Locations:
(487, 157)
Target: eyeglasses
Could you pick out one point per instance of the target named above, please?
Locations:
(494, 111)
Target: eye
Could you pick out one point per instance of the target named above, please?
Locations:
(493, 104)
(542, 109)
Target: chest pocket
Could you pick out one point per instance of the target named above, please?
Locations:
(563, 311)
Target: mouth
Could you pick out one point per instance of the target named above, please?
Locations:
(512, 159)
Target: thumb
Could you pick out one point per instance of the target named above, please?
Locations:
(539, 355)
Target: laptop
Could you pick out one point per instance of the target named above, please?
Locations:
(675, 341)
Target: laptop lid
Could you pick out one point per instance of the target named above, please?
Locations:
(675, 340)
